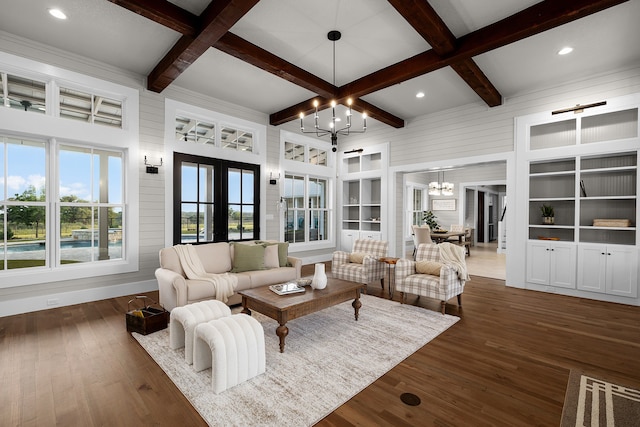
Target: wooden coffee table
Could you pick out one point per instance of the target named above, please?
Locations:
(283, 308)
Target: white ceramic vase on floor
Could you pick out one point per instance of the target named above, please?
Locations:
(319, 278)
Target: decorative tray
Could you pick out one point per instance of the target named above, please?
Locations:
(286, 288)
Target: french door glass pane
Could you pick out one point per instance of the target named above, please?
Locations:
(189, 182)
(234, 179)
(247, 186)
(188, 222)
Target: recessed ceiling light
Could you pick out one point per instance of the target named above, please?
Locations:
(420, 95)
(57, 13)
(565, 50)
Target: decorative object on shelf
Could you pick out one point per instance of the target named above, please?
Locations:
(441, 187)
(430, 219)
(333, 130)
(583, 191)
(319, 280)
(547, 214)
(601, 222)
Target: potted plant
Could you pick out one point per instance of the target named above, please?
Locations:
(430, 219)
(547, 214)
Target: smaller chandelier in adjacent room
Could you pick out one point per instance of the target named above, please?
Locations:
(333, 129)
(440, 187)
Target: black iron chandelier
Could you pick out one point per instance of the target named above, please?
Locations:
(333, 124)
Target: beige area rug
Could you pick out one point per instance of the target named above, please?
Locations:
(591, 401)
(329, 357)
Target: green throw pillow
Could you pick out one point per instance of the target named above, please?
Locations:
(283, 253)
(247, 258)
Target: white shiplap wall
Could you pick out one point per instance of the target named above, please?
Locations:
(469, 134)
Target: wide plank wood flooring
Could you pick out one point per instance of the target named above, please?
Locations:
(505, 363)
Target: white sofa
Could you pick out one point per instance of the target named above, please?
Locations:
(176, 290)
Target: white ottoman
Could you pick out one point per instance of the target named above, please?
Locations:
(185, 319)
(234, 349)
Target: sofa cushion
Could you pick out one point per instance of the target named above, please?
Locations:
(270, 277)
(247, 258)
(271, 259)
(428, 267)
(214, 257)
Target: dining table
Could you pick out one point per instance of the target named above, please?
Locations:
(439, 237)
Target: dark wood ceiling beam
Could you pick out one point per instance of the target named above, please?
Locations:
(531, 21)
(536, 19)
(424, 19)
(362, 106)
(478, 81)
(215, 21)
(254, 55)
(293, 112)
(163, 12)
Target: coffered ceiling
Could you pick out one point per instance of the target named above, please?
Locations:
(273, 56)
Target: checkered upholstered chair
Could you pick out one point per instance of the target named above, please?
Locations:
(443, 287)
(370, 270)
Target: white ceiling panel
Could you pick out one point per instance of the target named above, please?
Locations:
(374, 36)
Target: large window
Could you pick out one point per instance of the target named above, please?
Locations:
(79, 221)
(215, 200)
(306, 209)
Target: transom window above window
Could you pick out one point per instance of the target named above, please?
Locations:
(296, 152)
(192, 130)
(236, 139)
(90, 108)
(317, 156)
(22, 93)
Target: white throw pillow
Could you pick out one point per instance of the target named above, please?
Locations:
(271, 259)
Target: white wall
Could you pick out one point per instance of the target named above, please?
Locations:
(466, 135)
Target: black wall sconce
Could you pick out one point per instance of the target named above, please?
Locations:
(150, 167)
(273, 179)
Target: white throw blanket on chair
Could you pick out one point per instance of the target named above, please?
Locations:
(224, 283)
(454, 255)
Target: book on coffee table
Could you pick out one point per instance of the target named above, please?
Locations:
(286, 288)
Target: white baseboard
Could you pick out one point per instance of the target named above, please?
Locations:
(44, 302)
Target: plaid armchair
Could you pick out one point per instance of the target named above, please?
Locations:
(369, 271)
(444, 287)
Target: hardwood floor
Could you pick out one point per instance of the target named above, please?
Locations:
(505, 363)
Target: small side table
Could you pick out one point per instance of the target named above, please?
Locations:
(391, 264)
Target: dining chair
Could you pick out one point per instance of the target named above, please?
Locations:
(421, 234)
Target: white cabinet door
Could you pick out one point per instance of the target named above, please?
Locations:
(347, 238)
(562, 265)
(374, 235)
(551, 263)
(538, 262)
(611, 269)
(592, 267)
(622, 271)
